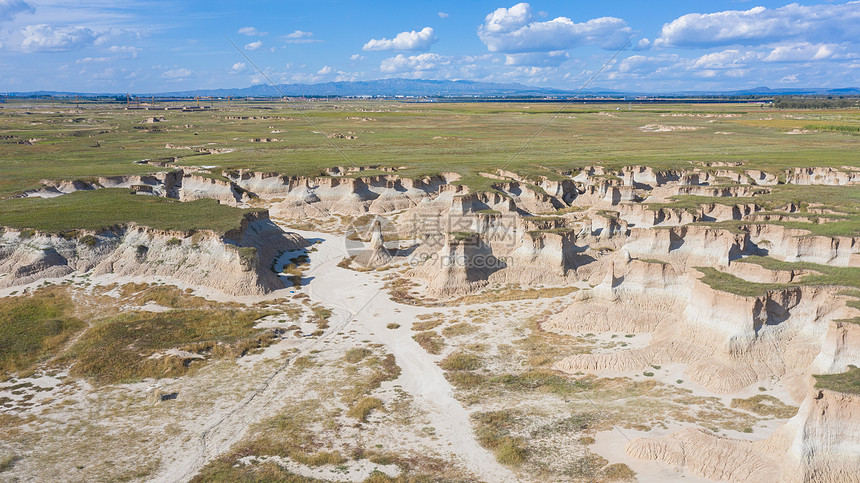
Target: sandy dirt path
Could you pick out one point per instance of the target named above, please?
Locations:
(362, 293)
(357, 301)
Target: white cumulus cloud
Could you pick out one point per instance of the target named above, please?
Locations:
(512, 30)
(803, 52)
(44, 38)
(128, 50)
(355, 57)
(833, 23)
(726, 59)
(176, 74)
(442, 15)
(250, 31)
(325, 70)
(300, 37)
(407, 41)
(299, 34)
(642, 64)
(420, 62)
(238, 67)
(254, 45)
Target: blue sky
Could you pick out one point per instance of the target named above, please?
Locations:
(151, 45)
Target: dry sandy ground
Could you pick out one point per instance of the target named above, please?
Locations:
(358, 303)
(217, 406)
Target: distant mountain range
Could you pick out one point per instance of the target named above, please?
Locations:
(435, 88)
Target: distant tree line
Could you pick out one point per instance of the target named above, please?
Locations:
(816, 102)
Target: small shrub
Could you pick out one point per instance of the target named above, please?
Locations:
(393, 326)
(174, 242)
(511, 452)
(27, 233)
(89, 240)
(464, 379)
(461, 361)
(494, 433)
(765, 405)
(354, 356)
(648, 374)
(6, 462)
(462, 328)
(363, 407)
(618, 472)
(587, 467)
(69, 234)
(430, 341)
(427, 325)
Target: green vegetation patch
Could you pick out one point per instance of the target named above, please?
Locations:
(354, 356)
(765, 405)
(100, 209)
(826, 274)
(462, 328)
(725, 282)
(34, 327)
(461, 361)
(289, 434)
(362, 408)
(494, 432)
(430, 341)
(134, 346)
(847, 382)
(226, 470)
(166, 296)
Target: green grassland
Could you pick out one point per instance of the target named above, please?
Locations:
(99, 209)
(841, 202)
(419, 138)
(846, 382)
(33, 328)
(129, 347)
(819, 275)
(425, 138)
(113, 347)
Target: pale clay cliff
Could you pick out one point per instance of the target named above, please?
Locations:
(237, 263)
(635, 265)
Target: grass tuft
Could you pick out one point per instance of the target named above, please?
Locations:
(363, 407)
(847, 382)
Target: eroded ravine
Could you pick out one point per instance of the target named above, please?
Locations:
(358, 302)
(362, 293)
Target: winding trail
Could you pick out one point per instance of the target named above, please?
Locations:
(356, 299)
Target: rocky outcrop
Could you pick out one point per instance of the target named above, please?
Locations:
(195, 187)
(706, 455)
(822, 176)
(819, 444)
(841, 348)
(237, 263)
(375, 255)
(462, 265)
(728, 341)
(688, 245)
(303, 196)
(793, 245)
(542, 257)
